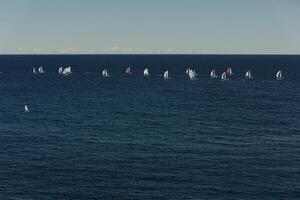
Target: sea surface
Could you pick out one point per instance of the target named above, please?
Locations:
(131, 137)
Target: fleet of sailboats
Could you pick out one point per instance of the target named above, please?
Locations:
(191, 73)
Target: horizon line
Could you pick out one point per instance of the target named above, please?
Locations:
(133, 54)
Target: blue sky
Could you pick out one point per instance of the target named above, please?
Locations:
(143, 26)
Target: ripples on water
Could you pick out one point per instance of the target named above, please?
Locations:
(130, 137)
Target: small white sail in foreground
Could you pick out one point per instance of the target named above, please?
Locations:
(41, 70)
(248, 75)
(25, 109)
(166, 75)
(213, 74)
(146, 72)
(279, 75)
(105, 73)
(224, 76)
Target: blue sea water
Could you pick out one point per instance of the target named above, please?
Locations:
(131, 137)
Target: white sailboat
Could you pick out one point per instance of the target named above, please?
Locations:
(41, 70)
(248, 75)
(60, 70)
(213, 74)
(229, 71)
(187, 71)
(224, 76)
(192, 74)
(105, 73)
(279, 75)
(25, 109)
(146, 72)
(166, 75)
(34, 71)
(67, 71)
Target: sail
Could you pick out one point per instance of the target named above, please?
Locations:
(166, 74)
(192, 74)
(60, 70)
(33, 70)
(67, 71)
(213, 74)
(279, 75)
(248, 75)
(26, 109)
(105, 73)
(128, 70)
(146, 72)
(41, 70)
(229, 71)
(224, 76)
(187, 71)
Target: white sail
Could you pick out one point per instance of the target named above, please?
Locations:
(213, 74)
(66, 71)
(26, 109)
(41, 70)
(146, 72)
(224, 76)
(279, 75)
(192, 74)
(166, 75)
(187, 71)
(33, 70)
(60, 70)
(248, 75)
(105, 73)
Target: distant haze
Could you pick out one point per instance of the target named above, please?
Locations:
(138, 26)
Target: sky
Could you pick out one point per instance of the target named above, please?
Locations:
(150, 27)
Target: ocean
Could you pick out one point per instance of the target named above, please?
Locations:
(135, 137)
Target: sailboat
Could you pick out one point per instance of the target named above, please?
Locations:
(60, 70)
(248, 75)
(213, 74)
(187, 71)
(67, 71)
(34, 71)
(192, 74)
(128, 70)
(105, 73)
(166, 75)
(41, 70)
(229, 71)
(146, 72)
(224, 76)
(279, 75)
(25, 109)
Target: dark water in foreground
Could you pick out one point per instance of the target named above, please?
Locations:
(130, 137)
